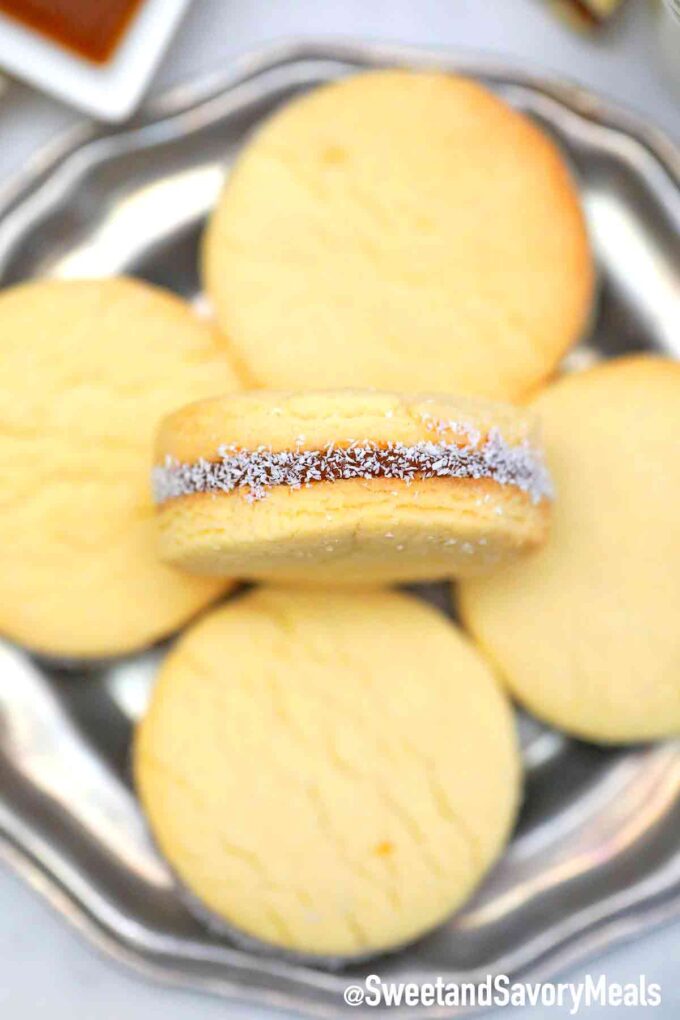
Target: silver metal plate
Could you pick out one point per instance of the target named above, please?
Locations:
(596, 857)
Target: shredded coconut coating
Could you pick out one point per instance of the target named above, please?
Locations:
(256, 471)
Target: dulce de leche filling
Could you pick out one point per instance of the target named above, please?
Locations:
(256, 471)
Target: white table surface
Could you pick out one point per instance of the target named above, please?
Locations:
(45, 968)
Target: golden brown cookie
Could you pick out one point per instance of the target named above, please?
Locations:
(586, 631)
(403, 230)
(348, 486)
(328, 773)
(88, 370)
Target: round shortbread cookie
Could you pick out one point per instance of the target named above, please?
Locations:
(329, 773)
(400, 230)
(586, 631)
(88, 370)
(348, 486)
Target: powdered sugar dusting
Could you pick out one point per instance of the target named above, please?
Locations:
(256, 471)
(457, 428)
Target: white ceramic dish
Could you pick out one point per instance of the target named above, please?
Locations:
(109, 91)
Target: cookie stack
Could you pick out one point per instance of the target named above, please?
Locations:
(397, 265)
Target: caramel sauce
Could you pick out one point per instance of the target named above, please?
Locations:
(259, 470)
(91, 28)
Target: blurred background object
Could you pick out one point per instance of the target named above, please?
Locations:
(669, 39)
(93, 31)
(586, 14)
(98, 56)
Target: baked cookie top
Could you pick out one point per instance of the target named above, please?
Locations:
(88, 370)
(585, 631)
(311, 784)
(404, 230)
